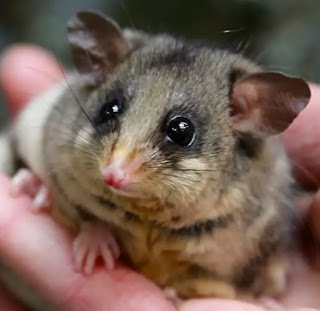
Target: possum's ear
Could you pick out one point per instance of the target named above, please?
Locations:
(97, 44)
(266, 103)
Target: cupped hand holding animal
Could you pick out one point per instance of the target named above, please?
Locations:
(40, 250)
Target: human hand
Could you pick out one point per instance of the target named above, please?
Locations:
(26, 71)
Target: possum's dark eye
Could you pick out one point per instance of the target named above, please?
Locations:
(110, 109)
(181, 131)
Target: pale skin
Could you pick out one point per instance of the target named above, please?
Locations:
(24, 72)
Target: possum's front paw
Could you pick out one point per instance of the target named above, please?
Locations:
(26, 182)
(95, 240)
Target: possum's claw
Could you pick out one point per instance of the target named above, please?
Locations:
(95, 240)
(42, 200)
(26, 182)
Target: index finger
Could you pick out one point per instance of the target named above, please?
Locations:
(302, 141)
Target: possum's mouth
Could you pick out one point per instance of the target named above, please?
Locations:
(129, 193)
(132, 192)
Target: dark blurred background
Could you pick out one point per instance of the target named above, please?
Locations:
(283, 35)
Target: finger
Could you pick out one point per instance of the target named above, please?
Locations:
(303, 285)
(310, 233)
(217, 304)
(25, 237)
(303, 143)
(26, 70)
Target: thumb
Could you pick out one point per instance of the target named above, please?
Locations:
(26, 70)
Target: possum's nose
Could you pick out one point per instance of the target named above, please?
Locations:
(115, 177)
(121, 169)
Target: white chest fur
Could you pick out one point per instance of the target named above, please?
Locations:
(29, 128)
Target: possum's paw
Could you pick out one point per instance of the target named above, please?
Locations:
(42, 200)
(25, 182)
(95, 240)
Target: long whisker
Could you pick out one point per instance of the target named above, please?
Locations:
(78, 102)
(125, 9)
(44, 73)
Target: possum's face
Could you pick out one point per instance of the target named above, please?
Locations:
(163, 124)
(167, 122)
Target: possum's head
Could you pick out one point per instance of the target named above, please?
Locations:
(168, 116)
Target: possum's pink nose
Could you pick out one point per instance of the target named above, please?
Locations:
(115, 177)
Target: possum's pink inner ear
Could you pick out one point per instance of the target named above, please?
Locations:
(97, 44)
(266, 103)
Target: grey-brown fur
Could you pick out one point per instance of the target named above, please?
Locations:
(201, 215)
(170, 68)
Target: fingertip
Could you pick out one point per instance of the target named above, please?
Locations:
(302, 143)
(26, 70)
(118, 289)
(310, 232)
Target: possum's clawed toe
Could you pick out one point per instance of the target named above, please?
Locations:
(95, 240)
(26, 182)
(42, 200)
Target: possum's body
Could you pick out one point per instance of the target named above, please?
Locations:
(7, 154)
(207, 207)
(28, 133)
(31, 139)
(41, 137)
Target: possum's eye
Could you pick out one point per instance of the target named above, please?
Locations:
(181, 131)
(110, 109)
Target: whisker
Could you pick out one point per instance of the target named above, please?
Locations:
(78, 102)
(226, 31)
(125, 9)
(45, 73)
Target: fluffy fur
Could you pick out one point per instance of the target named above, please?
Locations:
(204, 220)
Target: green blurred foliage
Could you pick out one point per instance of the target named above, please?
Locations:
(283, 35)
